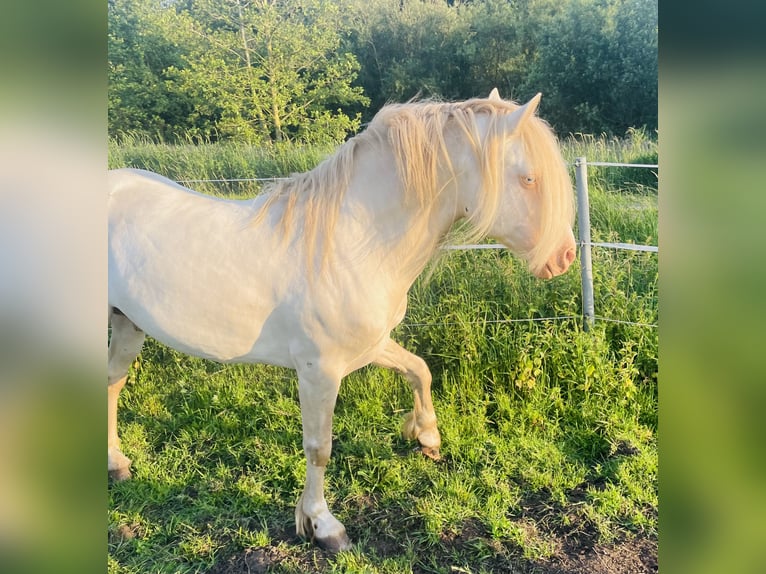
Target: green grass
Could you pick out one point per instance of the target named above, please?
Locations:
(216, 161)
(549, 432)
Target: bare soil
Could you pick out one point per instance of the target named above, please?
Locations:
(574, 540)
(634, 556)
(575, 554)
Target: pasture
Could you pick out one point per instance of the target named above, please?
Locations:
(549, 433)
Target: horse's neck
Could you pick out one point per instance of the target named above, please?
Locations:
(403, 235)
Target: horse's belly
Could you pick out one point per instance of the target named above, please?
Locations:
(222, 332)
(263, 348)
(201, 306)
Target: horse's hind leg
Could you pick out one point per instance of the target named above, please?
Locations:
(420, 424)
(124, 346)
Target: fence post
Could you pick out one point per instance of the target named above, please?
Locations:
(583, 224)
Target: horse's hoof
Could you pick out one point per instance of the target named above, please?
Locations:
(427, 435)
(432, 453)
(120, 474)
(334, 544)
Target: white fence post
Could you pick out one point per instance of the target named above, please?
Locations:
(583, 224)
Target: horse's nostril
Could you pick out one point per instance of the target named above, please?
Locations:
(569, 256)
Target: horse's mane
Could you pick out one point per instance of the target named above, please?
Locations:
(313, 198)
(415, 132)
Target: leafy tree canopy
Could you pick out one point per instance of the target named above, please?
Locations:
(265, 71)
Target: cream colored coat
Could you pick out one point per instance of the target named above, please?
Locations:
(317, 282)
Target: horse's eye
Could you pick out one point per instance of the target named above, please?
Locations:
(528, 180)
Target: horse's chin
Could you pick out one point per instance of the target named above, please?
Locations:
(549, 271)
(544, 273)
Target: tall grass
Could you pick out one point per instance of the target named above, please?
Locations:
(549, 432)
(216, 161)
(637, 147)
(236, 161)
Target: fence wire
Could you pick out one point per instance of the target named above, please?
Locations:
(467, 247)
(617, 164)
(234, 179)
(493, 321)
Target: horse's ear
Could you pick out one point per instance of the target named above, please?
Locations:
(522, 114)
(494, 95)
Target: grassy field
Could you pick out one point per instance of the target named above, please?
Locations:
(549, 432)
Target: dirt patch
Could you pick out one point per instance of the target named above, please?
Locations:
(253, 561)
(274, 559)
(576, 550)
(124, 533)
(470, 530)
(570, 541)
(635, 556)
(575, 540)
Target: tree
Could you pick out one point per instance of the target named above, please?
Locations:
(597, 65)
(144, 44)
(137, 101)
(494, 55)
(307, 70)
(409, 48)
(268, 70)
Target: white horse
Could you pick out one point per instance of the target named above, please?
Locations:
(314, 274)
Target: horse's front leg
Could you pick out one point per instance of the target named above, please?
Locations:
(318, 392)
(420, 424)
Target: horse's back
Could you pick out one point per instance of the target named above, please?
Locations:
(139, 190)
(130, 175)
(119, 180)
